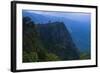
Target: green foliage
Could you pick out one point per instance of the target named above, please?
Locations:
(84, 55)
(36, 56)
(52, 57)
(30, 57)
(25, 57)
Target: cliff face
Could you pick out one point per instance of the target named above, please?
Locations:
(50, 38)
(58, 40)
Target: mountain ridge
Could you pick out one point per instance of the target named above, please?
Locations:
(50, 38)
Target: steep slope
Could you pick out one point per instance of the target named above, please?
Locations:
(47, 42)
(57, 39)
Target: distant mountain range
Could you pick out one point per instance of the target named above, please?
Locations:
(80, 31)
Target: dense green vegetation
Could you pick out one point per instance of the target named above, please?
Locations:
(85, 55)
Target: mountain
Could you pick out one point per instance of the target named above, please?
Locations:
(47, 42)
(79, 30)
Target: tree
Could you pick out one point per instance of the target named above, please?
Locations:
(52, 57)
(30, 57)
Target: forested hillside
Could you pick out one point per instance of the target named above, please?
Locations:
(47, 42)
